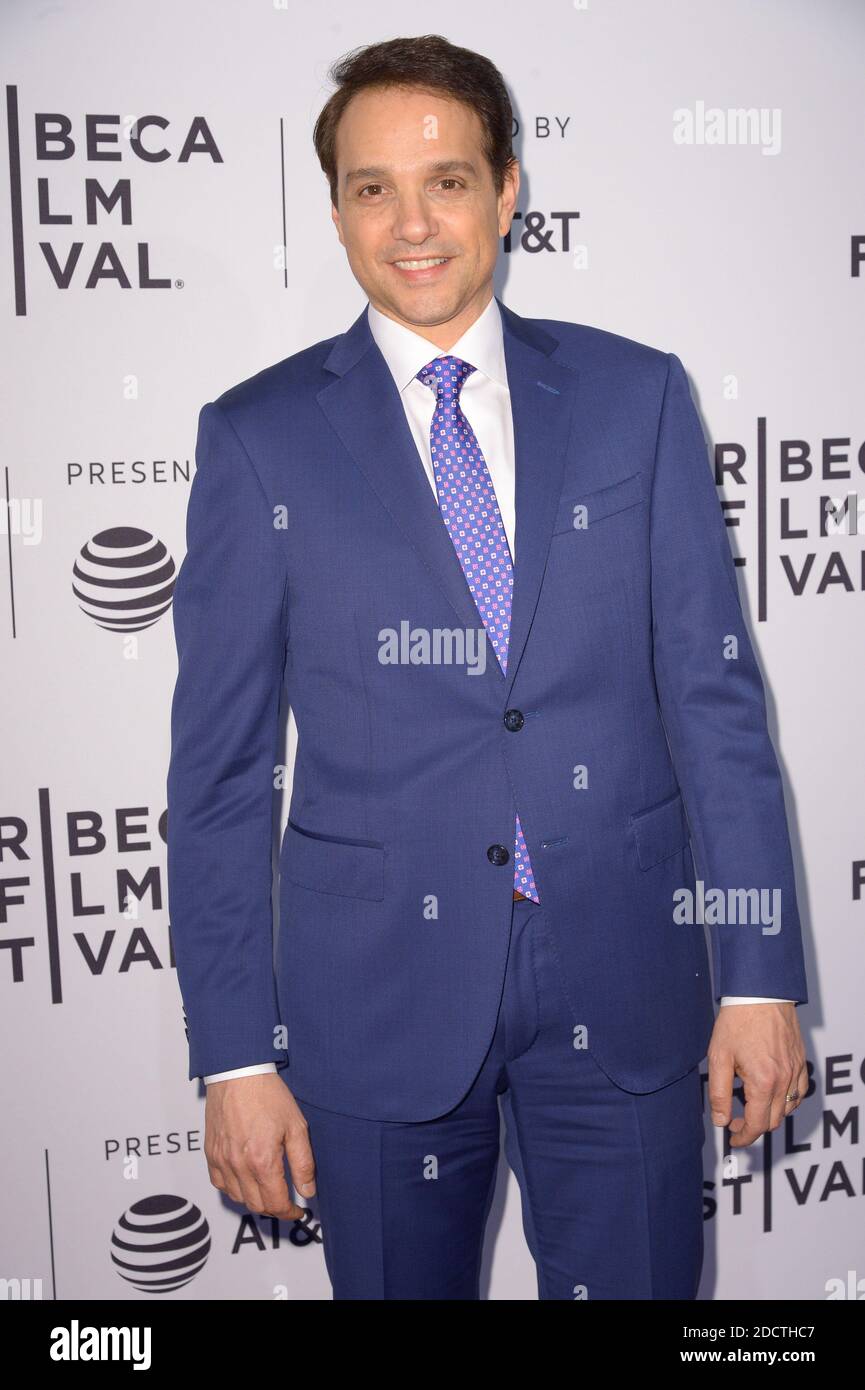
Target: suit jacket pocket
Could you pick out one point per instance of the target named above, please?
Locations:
(600, 502)
(660, 831)
(348, 868)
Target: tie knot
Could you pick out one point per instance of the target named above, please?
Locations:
(445, 376)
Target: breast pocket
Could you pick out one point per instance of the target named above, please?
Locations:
(327, 864)
(578, 512)
(599, 543)
(660, 831)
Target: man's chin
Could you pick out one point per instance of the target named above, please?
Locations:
(422, 307)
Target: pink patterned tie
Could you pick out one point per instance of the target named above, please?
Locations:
(471, 514)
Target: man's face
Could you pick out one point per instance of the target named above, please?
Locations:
(414, 186)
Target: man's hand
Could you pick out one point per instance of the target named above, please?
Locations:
(762, 1044)
(250, 1123)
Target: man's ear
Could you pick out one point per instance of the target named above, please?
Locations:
(508, 197)
(335, 218)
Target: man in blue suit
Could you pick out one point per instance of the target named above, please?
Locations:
(485, 556)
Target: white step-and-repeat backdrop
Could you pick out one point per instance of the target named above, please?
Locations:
(692, 177)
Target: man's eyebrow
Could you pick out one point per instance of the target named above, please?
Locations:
(439, 166)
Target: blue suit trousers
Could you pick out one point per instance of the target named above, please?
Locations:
(610, 1180)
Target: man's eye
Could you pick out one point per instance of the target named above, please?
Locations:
(377, 187)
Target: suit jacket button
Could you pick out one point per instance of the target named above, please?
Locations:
(497, 854)
(514, 720)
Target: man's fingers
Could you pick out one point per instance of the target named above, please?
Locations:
(260, 1181)
(780, 1103)
(217, 1176)
(244, 1181)
(755, 1120)
(298, 1151)
(798, 1082)
(721, 1076)
(224, 1178)
(276, 1198)
(263, 1181)
(269, 1195)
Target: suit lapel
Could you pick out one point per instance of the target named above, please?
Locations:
(543, 391)
(364, 407)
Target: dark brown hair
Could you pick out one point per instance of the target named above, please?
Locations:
(428, 62)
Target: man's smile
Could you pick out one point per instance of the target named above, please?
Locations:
(420, 270)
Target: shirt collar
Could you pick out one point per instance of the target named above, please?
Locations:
(405, 351)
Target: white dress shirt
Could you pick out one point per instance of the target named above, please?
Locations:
(486, 402)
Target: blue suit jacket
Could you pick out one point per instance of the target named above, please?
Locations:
(312, 528)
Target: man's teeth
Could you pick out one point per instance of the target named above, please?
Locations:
(420, 265)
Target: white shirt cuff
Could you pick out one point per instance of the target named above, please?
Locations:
(258, 1070)
(752, 999)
